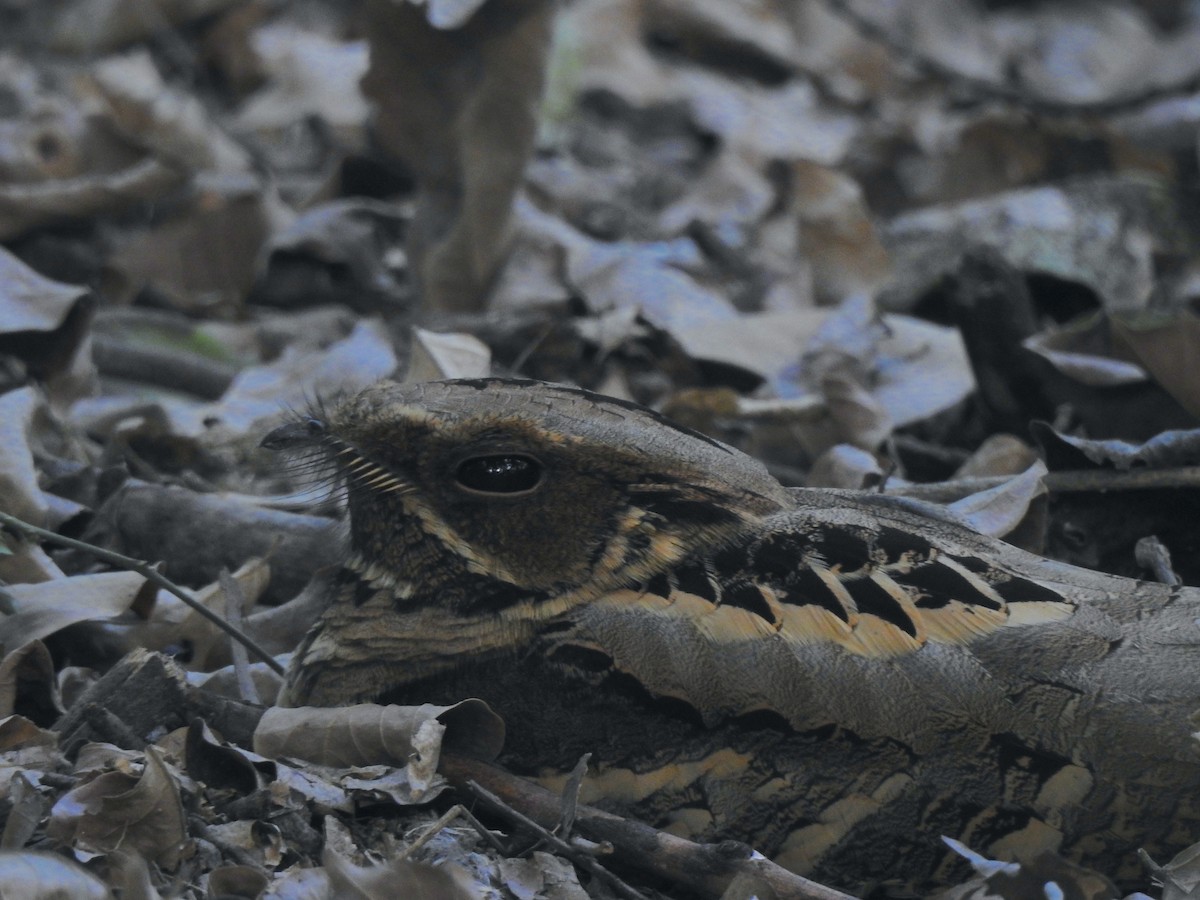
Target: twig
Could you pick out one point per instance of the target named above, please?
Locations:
(235, 602)
(572, 853)
(454, 812)
(1062, 482)
(705, 870)
(1152, 554)
(150, 574)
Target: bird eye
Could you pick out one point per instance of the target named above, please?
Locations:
(503, 474)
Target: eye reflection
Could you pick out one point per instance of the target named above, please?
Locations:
(507, 473)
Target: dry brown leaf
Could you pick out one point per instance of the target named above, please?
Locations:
(542, 875)
(459, 108)
(120, 811)
(237, 881)
(836, 233)
(28, 810)
(1169, 348)
(399, 878)
(203, 258)
(172, 125)
(27, 669)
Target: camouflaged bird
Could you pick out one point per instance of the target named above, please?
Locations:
(836, 678)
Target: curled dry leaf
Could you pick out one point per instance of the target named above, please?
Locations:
(1163, 451)
(369, 734)
(341, 251)
(237, 881)
(17, 732)
(120, 811)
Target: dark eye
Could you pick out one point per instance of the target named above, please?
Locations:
(505, 474)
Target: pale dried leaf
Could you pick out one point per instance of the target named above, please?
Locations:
(29, 875)
(999, 454)
(845, 466)
(301, 884)
(45, 608)
(1001, 509)
(921, 369)
(310, 75)
(437, 355)
(30, 301)
(20, 494)
(260, 394)
(1081, 351)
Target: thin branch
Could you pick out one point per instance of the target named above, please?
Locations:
(150, 574)
(1061, 482)
(704, 870)
(562, 847)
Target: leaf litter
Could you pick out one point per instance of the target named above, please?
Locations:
(783, 223)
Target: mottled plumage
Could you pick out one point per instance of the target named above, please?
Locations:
(836, 678)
